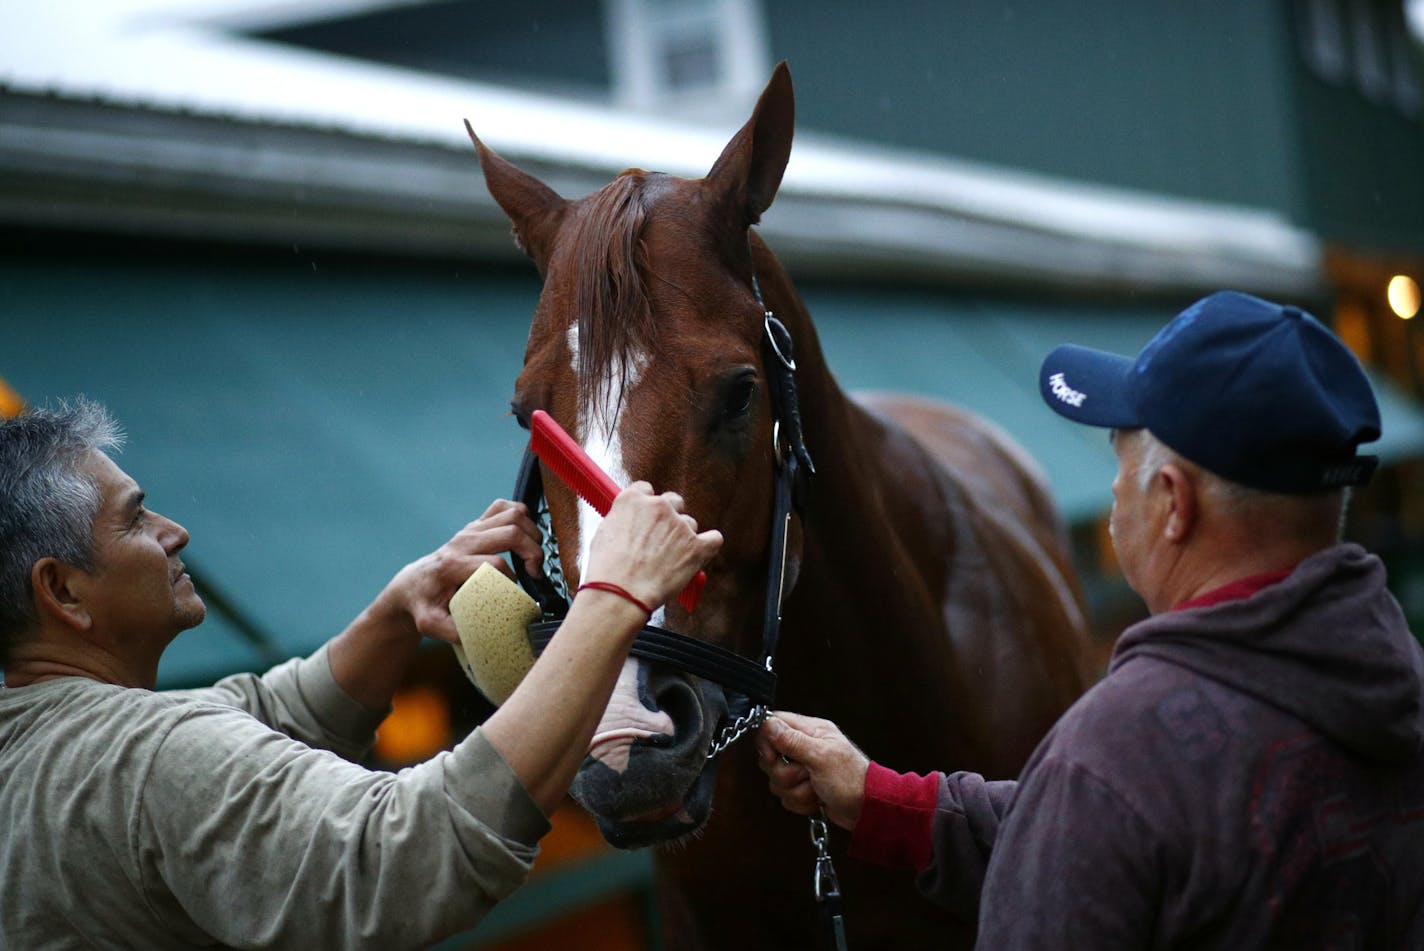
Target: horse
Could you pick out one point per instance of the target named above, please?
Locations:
(928, 603)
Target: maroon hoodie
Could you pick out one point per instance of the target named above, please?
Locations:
(1250, 774)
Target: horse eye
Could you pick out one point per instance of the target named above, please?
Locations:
(737, 398)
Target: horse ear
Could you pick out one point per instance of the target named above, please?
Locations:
(535, 209)
(748, 172)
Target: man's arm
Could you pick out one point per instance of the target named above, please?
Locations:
(942, 825)
(1075, 867)
(277, 844)
(646, 545)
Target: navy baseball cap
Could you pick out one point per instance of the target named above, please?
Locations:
(1255, 392)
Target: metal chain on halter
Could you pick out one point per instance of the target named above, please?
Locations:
(738, 728)
(553, 568)
(826, 886)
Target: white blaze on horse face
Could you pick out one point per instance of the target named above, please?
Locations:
(599, 425)
(626, 719)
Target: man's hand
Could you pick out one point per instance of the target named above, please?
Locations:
(811, 765)
(370, 657)
(423, 588)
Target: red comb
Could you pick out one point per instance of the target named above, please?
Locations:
(557, 450)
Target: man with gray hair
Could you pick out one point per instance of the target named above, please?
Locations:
(48, 505)
(236, 816)
(1250, 772)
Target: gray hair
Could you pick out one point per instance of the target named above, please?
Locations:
(47, 502)
(1304, 512)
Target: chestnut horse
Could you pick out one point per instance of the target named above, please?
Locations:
(930, 608)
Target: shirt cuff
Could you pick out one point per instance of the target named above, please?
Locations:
(896, 818)
(340, 714)
(490, 789)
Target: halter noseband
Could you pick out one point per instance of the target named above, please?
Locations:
(751, 685)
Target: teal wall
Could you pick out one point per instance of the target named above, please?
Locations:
(1362, 160)
(553, 45)
(1188, 99)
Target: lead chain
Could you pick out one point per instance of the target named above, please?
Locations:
(737, 729)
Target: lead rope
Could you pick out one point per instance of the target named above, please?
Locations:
(827, 887)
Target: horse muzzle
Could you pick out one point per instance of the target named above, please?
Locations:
(647, 777)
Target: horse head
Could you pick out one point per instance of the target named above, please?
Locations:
(647, 346)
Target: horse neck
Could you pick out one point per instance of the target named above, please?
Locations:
(864, 547)
(857, 457)
(825, 408)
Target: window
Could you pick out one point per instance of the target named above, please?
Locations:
(701, 56)
(1366, 44)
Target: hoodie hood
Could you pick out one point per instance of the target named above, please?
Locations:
(1328, 644)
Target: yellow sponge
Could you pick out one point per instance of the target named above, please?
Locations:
(492, 615)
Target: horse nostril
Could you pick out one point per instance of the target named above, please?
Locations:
(678, 699)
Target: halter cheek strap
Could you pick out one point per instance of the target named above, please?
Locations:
(794, 467)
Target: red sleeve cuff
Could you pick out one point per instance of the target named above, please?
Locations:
(896, 817)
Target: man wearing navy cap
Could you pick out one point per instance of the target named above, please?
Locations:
(1250, 772)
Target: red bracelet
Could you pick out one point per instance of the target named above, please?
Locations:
(612, 588)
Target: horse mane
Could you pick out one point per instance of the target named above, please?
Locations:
(614, 315)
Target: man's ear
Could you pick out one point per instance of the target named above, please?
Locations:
(59, 594)
(1180, 498)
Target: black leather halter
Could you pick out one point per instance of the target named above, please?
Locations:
(750, 685)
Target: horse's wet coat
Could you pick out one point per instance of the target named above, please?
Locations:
(931, 608)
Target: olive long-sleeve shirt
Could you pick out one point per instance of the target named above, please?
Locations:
(233, 817)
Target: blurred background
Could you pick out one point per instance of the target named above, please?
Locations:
(256, 230)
